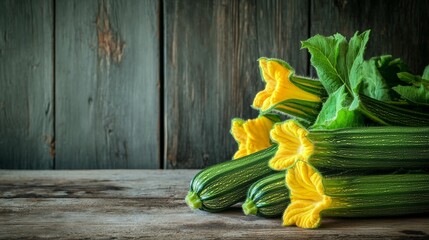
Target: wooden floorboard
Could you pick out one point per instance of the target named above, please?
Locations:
(128, 204)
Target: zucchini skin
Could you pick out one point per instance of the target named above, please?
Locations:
(387, 148)
(394, 115)
(220, 186)
(268, 197)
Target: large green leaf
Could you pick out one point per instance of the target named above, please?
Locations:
(333, 58)
(324, 55)
(356, 50)
(339, 111)
(373, 83)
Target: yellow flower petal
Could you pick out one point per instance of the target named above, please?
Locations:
(237, 130)
(251, 135)
(307, 197)
(240, 136)
(241, 152)
(279, 86)
(293, 145)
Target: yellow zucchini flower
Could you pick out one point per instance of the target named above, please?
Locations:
(252, 135)
(287, 93)
(306, 195)
(293, 144)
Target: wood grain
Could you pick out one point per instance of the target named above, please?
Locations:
(83, 90)
(107, 84)
(95, 184)
(128, 204)
(26, 84)
(399, 28)
(211, 71)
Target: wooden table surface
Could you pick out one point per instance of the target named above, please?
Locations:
(122, 204)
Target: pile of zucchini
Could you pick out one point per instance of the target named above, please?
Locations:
(354, 142)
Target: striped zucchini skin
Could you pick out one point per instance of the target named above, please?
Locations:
(267, 197)
(376, 148)
(222, 185)
(394, 115)
(377, 195)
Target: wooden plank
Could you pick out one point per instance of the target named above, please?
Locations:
(399, 28)
(26, 84)
(107, 71)
(172, 219)
(95, 184)
(211, 72)
(149, 204)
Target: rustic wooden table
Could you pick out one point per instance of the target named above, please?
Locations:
(118, 204)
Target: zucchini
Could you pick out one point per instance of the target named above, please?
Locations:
(314, 195)
(267, 197)
(222, 185)
(285, 92)
(393, 114)
(383, 148)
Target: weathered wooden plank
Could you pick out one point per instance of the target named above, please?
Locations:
(171, 219)
(107, 79)
(211, 72)
(399, 28)
(26, 84)
(95, 184)
(140, 210)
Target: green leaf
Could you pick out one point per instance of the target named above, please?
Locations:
(373, 83)
(376, 76)
(414, 94)
(355, 61)
(356, 50)
(389, 67)
(334, 58)
(341, 57)
(409, 78)
(339, 111)
(418, 92)
(324, 54)
(426, 73)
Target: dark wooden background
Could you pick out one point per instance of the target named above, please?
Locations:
(155, 83)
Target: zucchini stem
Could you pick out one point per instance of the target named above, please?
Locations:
(193, 200)
(249, 207)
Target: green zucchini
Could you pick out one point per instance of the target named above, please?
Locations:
(267, 197)
(314, 195)
(382, 148)
(394, 114)
(222, 185)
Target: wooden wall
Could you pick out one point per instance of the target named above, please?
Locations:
(26, 84)
(155, 83)
(107, 84)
